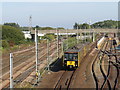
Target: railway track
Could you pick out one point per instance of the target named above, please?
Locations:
(27, 72)
(108, 81)
(32, 68)
(117, 68)
(19, 66)
(111, 68)
(21, 57)
(94, 75)
(117, 76)
(93, 67)
(65, 80)
(102, 71)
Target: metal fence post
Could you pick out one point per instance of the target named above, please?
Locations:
(11, 70)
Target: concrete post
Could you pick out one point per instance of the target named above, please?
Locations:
(93, 36)
(11, 70)
(48, 54)
(67, 37)
(36, 49)
(57, 44)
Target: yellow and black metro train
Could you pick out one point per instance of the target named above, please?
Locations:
(73, 56)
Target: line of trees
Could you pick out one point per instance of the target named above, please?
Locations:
(12, 32)
(103, 24)
(16, 25)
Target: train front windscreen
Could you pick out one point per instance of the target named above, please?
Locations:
(71, 56)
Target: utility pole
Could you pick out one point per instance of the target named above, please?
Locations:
(57, 44)
(11, 70)
(48, 54)
(36, 49)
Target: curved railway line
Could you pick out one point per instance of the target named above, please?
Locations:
(117, 69)
(102, 71)
(108, 82)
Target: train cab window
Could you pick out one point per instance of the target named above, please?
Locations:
(75, 56)
(70, 56)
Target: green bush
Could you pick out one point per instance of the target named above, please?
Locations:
(5, 44)
(12, 35)
(49, 36)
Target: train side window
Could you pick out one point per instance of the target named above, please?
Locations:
(70, 56)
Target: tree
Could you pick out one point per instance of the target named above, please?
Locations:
(103, 24)
(106, 24)
(75, 26)
(85, 26)
(37, 26)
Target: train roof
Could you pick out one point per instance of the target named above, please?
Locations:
(76, 48)
(71, 51)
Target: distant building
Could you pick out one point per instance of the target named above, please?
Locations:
(27, 34)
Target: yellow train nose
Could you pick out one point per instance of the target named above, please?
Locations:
(71, 63)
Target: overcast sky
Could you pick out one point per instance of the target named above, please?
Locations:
(58, 14)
